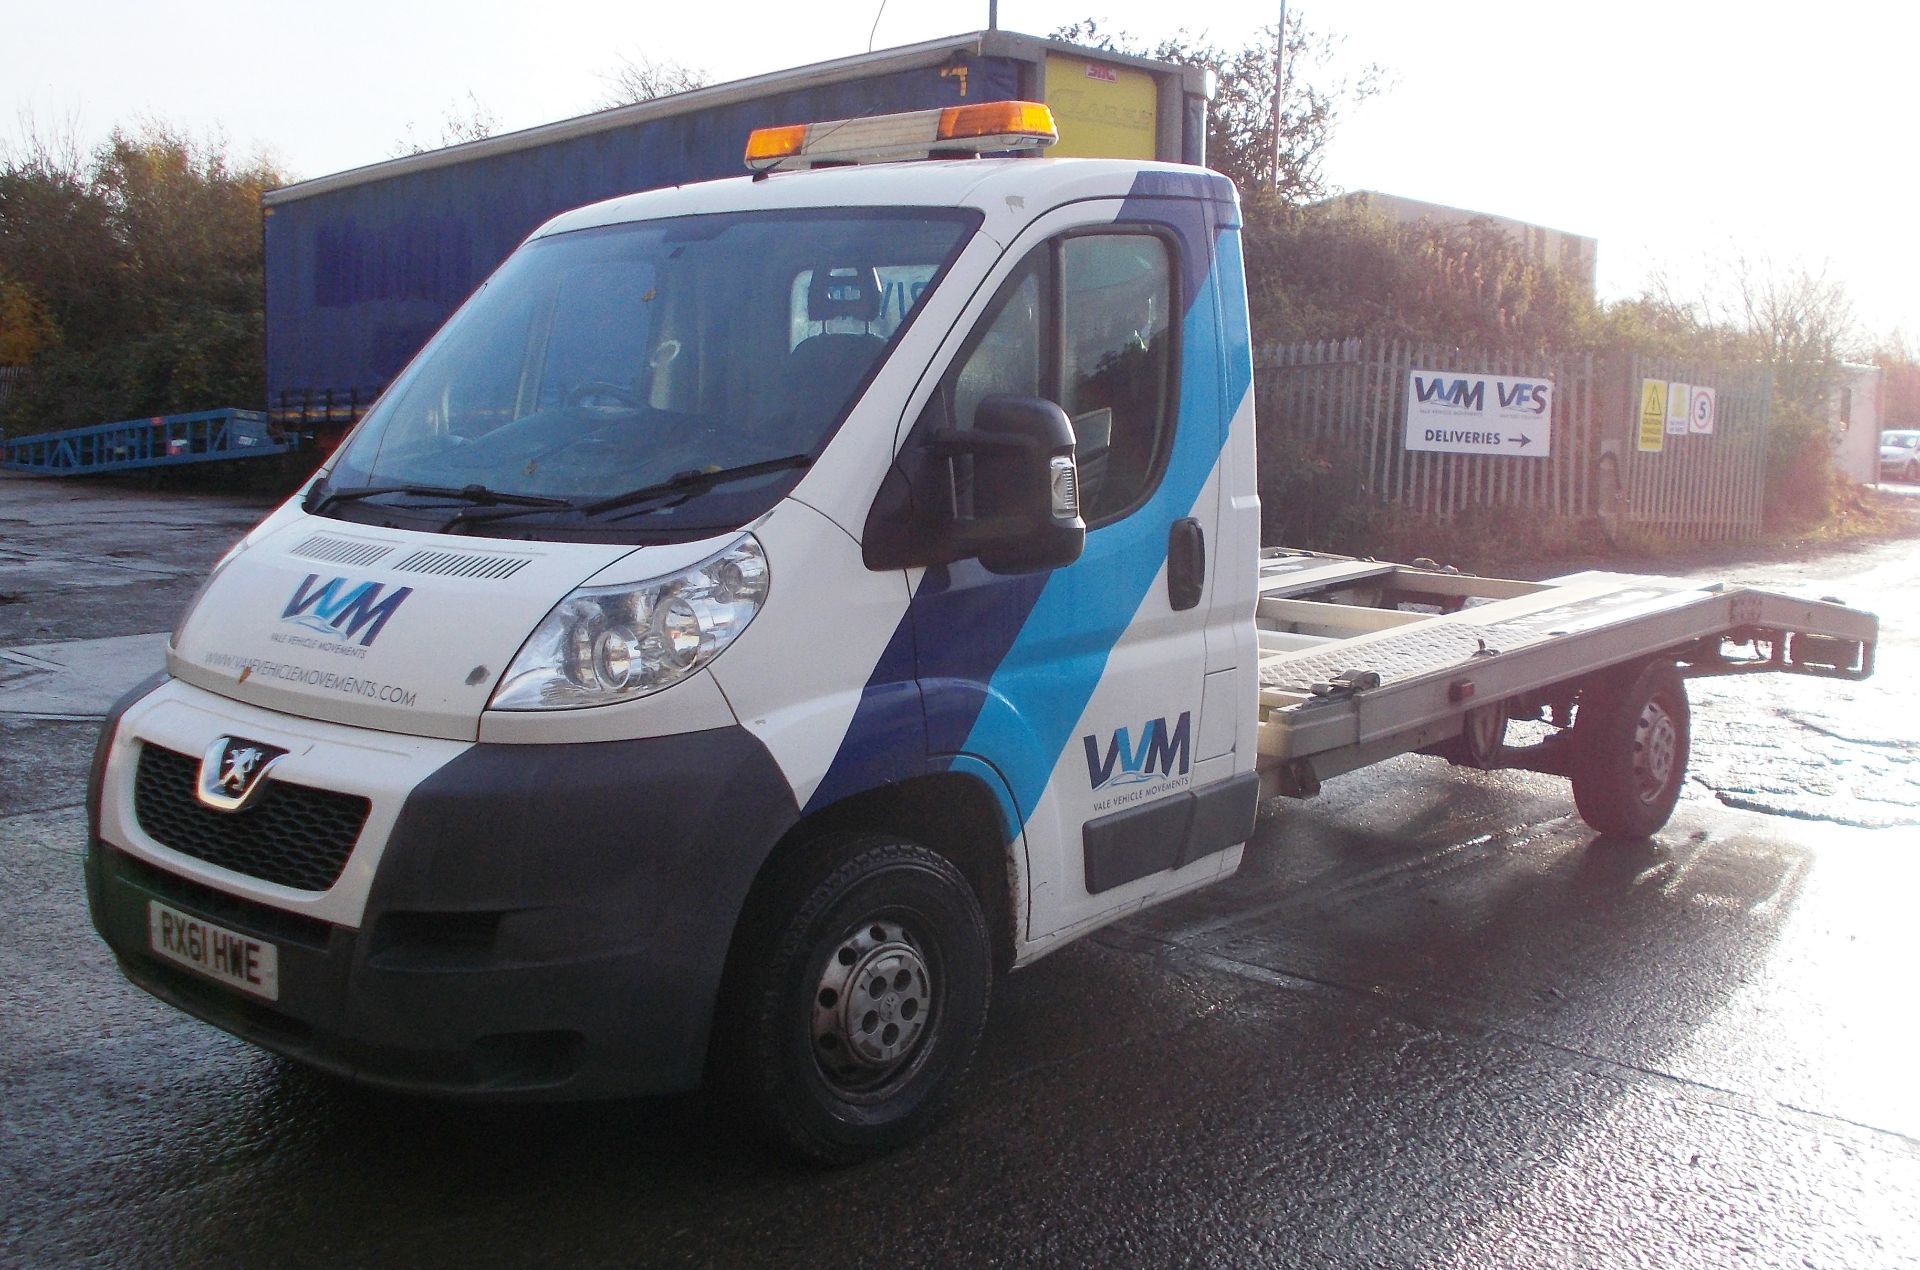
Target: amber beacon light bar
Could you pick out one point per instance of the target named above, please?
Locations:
(984, 127)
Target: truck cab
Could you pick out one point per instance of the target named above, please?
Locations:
(768, 609)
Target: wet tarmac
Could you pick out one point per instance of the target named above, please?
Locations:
(1433, 1021)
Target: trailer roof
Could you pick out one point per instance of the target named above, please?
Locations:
(907, 57)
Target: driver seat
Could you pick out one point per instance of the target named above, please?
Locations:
(823, 370)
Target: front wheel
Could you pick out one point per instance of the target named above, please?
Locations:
(860, 994)
(1630, 748)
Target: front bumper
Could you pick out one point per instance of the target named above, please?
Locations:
(543, 921)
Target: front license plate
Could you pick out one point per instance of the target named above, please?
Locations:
(239, 961)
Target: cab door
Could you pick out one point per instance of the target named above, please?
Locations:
(1082, 686)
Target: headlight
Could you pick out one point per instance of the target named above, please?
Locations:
(606, 644)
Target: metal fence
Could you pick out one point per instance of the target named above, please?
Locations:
(1701, 487)
(1346, 402)
(12, 380)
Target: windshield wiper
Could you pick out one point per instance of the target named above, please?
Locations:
(477, 495)
(690, 483)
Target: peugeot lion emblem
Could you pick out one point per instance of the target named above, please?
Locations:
(231, 772)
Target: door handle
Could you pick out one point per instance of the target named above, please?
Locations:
(1186, 564)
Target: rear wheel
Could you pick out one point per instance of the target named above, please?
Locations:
(859, 997)
(1631, 743)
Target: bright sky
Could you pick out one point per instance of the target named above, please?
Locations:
(1678, 133)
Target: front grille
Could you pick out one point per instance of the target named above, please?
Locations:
(291, 835)
(235, 911)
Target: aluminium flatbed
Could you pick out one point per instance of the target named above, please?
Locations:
(1362, 660)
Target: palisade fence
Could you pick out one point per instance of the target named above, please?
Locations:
(1709, 488)
(12, 380)
(1345, 401)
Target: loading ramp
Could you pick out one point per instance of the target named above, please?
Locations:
(159, 442)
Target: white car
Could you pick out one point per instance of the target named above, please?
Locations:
(1900, 455)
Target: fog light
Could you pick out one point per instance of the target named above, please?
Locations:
(613, 657)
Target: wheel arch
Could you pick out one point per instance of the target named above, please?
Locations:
(954, 813)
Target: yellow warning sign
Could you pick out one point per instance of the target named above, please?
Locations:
(1653, 415)
(1103, 111)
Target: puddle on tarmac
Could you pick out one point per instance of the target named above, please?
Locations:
(1844, 753)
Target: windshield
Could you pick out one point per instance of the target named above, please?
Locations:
(1900, 440)
(605, 361)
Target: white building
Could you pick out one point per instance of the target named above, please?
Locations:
(1572, 254)
(1854, 414)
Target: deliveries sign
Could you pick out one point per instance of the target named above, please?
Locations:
(1452, 413)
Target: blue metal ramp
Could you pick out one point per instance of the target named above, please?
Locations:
(206, 436)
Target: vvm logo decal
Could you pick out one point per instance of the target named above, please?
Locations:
(1470, 394)
(343, 609)
(1158, 753)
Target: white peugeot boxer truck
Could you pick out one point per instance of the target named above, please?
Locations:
(771, 607)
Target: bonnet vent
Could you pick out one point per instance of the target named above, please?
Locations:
(462, 564)
(347, 551)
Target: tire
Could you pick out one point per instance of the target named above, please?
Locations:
(1482, 743)
(856, 1000)
(1912, 474)
(1630, 748)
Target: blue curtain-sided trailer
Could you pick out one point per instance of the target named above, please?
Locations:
(363, 266)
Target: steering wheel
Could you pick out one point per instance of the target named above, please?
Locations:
(596, 394)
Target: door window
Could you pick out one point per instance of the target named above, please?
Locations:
(1115, 358)
(1085, 321)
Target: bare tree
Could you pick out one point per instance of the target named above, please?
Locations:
(52, 150)
(1797, 315)
(644, 78)
(1798, 322)
(462, 123)
(1794, 318)
(1240, 121)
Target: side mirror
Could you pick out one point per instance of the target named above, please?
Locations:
(1026, 487)
(1005, 492)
